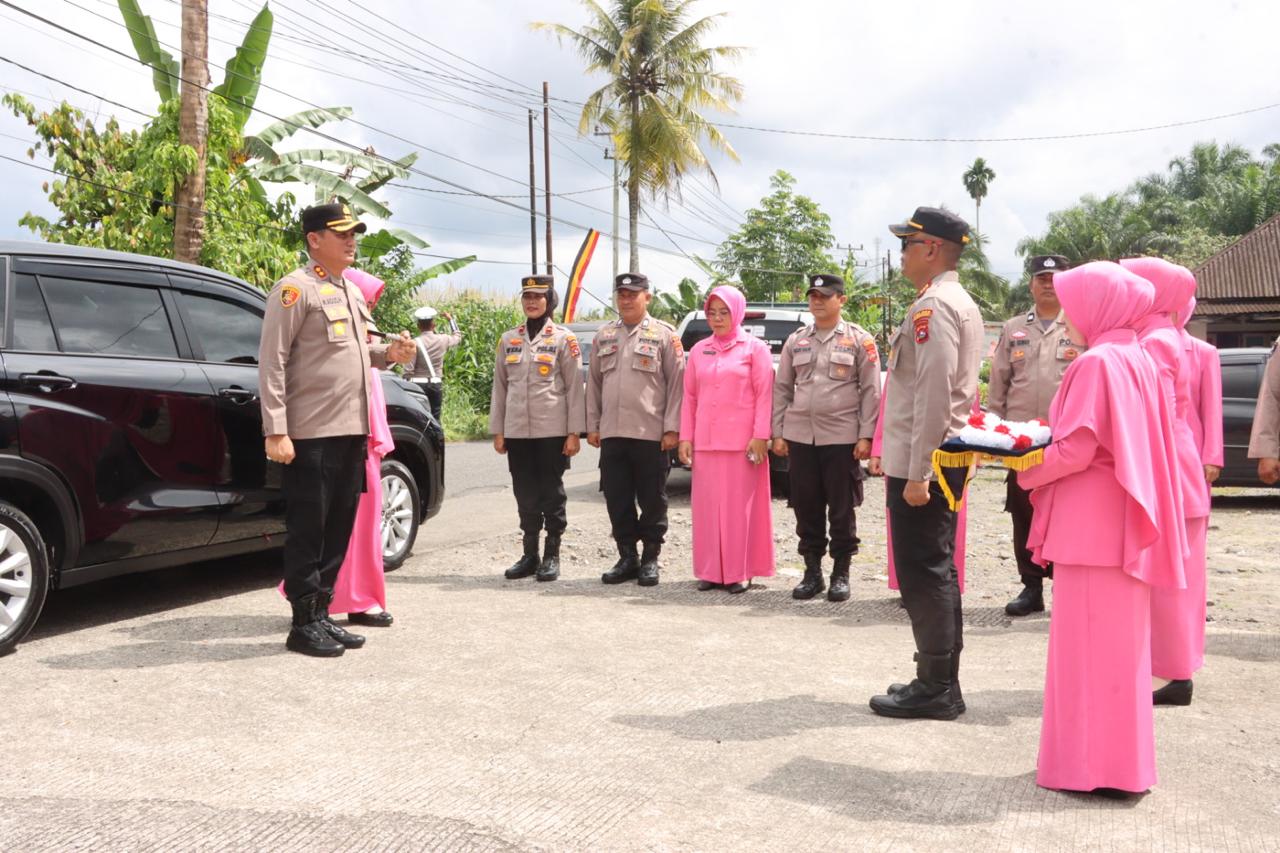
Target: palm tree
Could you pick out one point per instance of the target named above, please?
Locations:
(662, 80)
(976, 180)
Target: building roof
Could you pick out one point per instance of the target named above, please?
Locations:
(1222, 307)
(1248, 269)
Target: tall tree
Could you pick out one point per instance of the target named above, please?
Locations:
(977, 180)
(193, 130)
(661, 82)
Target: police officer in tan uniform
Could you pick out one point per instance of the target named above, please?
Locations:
(934, 358)
(313, 371)
(634, 388)
(535, 415)
(1264, 440)
(427, 367)
(1032, 354)
(826, 398)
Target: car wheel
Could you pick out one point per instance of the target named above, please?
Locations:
(24, 575)
(401, 509)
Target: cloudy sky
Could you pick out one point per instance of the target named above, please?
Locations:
(455, 80)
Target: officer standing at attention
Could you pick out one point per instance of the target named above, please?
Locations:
(427, 367)
(1264, 441)
(826, 398)
(634, 388)
(535, 415)
(934, 357)
(313, 372)
(1026, 370)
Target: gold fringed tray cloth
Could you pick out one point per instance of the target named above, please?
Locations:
(953, 454)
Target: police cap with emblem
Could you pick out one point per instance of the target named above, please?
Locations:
(425, 313)
(336, 217)
(826, 284)
(1050, 264)
(631, 281)
(935, 222)
(536, 284)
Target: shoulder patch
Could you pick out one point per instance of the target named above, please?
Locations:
(574, 349)
(869, 345)
(922, 314)
(289, 295)
(677, 346)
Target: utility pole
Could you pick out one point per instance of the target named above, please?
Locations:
(193, 130)
(533, 203)
(546, 163)
(612, 155)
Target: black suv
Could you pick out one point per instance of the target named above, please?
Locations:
(1242, 371)
(130, 428)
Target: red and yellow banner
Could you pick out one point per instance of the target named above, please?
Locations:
(577, 273)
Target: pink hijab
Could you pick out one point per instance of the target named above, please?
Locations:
(737, 305)
(370, 285)
(1109, 391)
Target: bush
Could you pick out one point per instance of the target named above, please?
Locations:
(468, 367)
(461, 421)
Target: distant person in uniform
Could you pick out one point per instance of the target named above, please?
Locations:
(826, 399)
(1030, 358)
(314, 374)
(634, 387)
(535, 415)
(427, 366)
(1264, 440)
(934, 357)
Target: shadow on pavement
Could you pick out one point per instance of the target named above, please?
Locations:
(774, 718)
(930, 798)
(163, 653)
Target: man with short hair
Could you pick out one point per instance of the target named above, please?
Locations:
(314, 372)
(634, 387)
(1030, 358)
(426, 369)
(934, 357)
(826, 398)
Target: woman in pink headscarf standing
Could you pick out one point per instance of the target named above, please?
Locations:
(724, 435)
(1106, 472)
(1177, 616)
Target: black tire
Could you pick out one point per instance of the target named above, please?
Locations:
(19, 534)
(398, 485)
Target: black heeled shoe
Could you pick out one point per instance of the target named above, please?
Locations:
(703, 586)
(371, 620)
(739, 587)
(1176, 692)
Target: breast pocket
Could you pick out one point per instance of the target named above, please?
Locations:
(338, 323)
(607, 355)
(841, 366)
(645, 357)
(544, 366)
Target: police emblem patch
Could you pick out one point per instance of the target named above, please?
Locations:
(544, 369)
(289, 295)
(870, 346)
(1070, 354)
(574, 349)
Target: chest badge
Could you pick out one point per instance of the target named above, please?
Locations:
(544, 369)
(1020, 334)
(1070, 354)
(1017, 354)
(339, 329)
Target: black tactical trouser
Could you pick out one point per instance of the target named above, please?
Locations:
(634, 471)
(537, 467)
(826, 487)
(322, 488)
(924, 542)
(1017, 502)
(435, 396)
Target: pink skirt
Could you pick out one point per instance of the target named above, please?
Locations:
(732, 518)
(1177, 615)
(961, 524)
(361, 583)
(1098, 729)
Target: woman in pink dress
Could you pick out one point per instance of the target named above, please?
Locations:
(1107, 472)
(724, 435)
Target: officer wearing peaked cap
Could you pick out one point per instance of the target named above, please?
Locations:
(934, 358)
(826, 398)
(634, 389)
(535, 415)
(313, 371)
(427, 367)
(1030, 358)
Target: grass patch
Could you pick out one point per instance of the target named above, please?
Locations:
(461, 422)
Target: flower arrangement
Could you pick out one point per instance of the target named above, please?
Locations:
(989, 433)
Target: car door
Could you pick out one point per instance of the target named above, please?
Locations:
(224, 324)
(103, 397)
(1241, 380)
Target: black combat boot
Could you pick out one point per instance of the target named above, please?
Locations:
(648, 575)
(333, 629)
(812, 583)
(549, 570)
(929, 696)
(528, 563)
(839, 579)
(628, 566)
(306, 636)
(1030, 600)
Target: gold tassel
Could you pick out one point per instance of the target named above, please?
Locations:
(1027, 460)
(942, 459)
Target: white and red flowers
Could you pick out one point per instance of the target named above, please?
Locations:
(987, 431)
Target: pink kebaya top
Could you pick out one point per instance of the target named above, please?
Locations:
(1205, 415)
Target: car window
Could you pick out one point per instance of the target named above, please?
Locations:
(227, 331)
(1240, 381)
(109, 319)
(32, 329)
(772, 332)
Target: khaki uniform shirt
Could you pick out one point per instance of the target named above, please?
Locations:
(537, 385)
(1027, 367)
(314, 357)
(1264, 441)
(827, 388)
(934, 357)
(636, 380)
(435, 345)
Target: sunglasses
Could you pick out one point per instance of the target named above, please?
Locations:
(907, 241)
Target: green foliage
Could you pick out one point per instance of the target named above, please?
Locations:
(468, 367)
(244, 71)
(142, 32)
(121, 187)
(672, 307)
(462, 422)
(394, 311)
(782, 241)
(977, 180)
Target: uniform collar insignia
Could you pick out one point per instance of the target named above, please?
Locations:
(319, 271)
(547, 329)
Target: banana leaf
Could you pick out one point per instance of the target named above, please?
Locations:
(164, 68)
(326, 184)
(379, 177)
(244, 71)
(283, 129)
